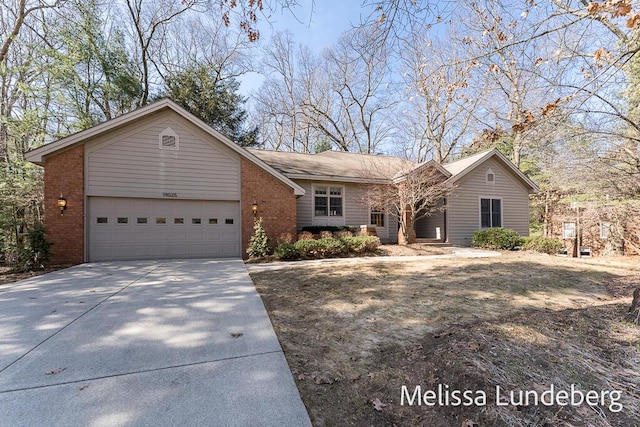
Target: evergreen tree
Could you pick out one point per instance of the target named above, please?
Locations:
(92, 68)
(259, 242)
(214, 100)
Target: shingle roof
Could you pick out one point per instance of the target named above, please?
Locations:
(345, 166)
(334, 164)
(461, 165)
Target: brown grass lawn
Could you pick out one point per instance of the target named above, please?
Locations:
(355, 335)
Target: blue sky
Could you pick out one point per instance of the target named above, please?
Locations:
(320, 29)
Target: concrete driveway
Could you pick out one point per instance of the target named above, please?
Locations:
(156, 343)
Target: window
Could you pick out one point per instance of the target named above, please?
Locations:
(213, 221)
(102, 220)
(142, 220)
(161, 220)
(168, 139)
(328, 201)
(490, 213)
(377, 218)
(605, 229)
(196, 221)
(178, 221)
(321, 207)
(123, 220)
(568, 230)
(228, 221)
(491, 177)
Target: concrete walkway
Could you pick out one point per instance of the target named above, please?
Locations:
(456, 252)
(174, 343)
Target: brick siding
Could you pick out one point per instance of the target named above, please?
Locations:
(276, 204)
(64, 174)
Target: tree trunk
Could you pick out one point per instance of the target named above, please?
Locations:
(633, 315)
(545, 224)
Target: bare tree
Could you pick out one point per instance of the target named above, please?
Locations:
(148, 21)
(340, 98)
(410, 195)
(201, 38)
(278, 102)
(350, 107)
(515, 69)
(13, 17)
(442, 99)
(16, 72)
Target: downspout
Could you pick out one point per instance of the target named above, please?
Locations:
(446, 220)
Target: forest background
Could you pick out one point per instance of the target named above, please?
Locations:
(553, 84)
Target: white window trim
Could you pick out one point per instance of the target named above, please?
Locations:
(574, 230)
(328, 186)
(169, 132)
(480, 227)
(486, 176)
(602, 235)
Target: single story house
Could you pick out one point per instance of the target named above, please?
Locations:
(160, 183)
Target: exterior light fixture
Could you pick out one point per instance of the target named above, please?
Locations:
(254, 208)
(62, 204)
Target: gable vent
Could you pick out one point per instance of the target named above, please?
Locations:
(169, 139)
(491, 177)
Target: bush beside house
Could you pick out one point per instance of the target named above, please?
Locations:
(541, 244)
(327, 247)
(496, 238)
(507, 239)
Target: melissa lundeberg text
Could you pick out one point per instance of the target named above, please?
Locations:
(443, 395)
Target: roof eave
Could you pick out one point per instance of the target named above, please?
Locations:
(333, 178)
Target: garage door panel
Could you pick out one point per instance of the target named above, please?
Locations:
(129, 228)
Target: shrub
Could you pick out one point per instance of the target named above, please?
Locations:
(305, 235)
(343, 233)
(284, 238)
(317, 229)
(361, 244)
(329, 247)
(326, 234)
(38, 252)
(307, 247)
(543, 244)
(286, 251)
(496, 238)
(259, 242)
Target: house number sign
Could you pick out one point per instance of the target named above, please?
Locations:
(170, 195)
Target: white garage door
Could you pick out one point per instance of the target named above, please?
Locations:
(129, 228)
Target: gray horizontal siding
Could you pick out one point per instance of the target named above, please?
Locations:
(463, 211)
(356, 213)
(130, 163)
(426, 227)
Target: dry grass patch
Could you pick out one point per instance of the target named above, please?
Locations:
(414, 249)
(355, 335)
(8, 275)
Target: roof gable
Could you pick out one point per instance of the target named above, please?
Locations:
(462, 167)
(38, 155)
